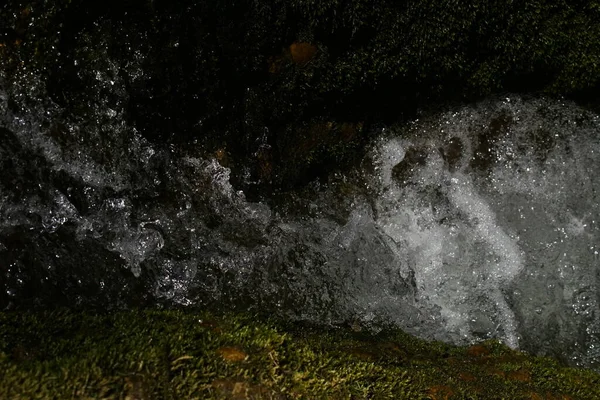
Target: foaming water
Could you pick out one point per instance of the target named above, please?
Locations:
(495, 206)
(471, 224)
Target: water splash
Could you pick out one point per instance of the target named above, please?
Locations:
(476, 223)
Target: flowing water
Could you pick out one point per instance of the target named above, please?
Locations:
(470, 224)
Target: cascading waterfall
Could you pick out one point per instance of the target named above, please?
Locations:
(476, 223)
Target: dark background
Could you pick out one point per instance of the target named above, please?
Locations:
(290, 89)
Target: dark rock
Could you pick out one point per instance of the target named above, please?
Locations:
(247, 75)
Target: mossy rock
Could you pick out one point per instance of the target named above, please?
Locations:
(249, 75)
(153, 354)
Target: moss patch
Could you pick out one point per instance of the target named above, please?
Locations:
(260, 78)
(175, 354)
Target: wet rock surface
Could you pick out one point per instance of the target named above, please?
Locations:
(249, 77)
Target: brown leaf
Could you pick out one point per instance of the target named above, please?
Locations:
(302, 52)
(232, 354)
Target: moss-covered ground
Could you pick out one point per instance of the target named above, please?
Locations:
(184, 355)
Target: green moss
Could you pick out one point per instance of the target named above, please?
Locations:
(222, 71)
(175, 354)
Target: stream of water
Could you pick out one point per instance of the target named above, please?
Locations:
(479, 222)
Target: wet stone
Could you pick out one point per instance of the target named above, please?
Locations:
(413, 159)
(453, 153)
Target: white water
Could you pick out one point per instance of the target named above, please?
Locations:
(444, 273)
(497, 213)
(476, 223)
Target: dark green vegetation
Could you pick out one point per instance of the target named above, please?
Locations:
(291, 89)
(176, 355)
